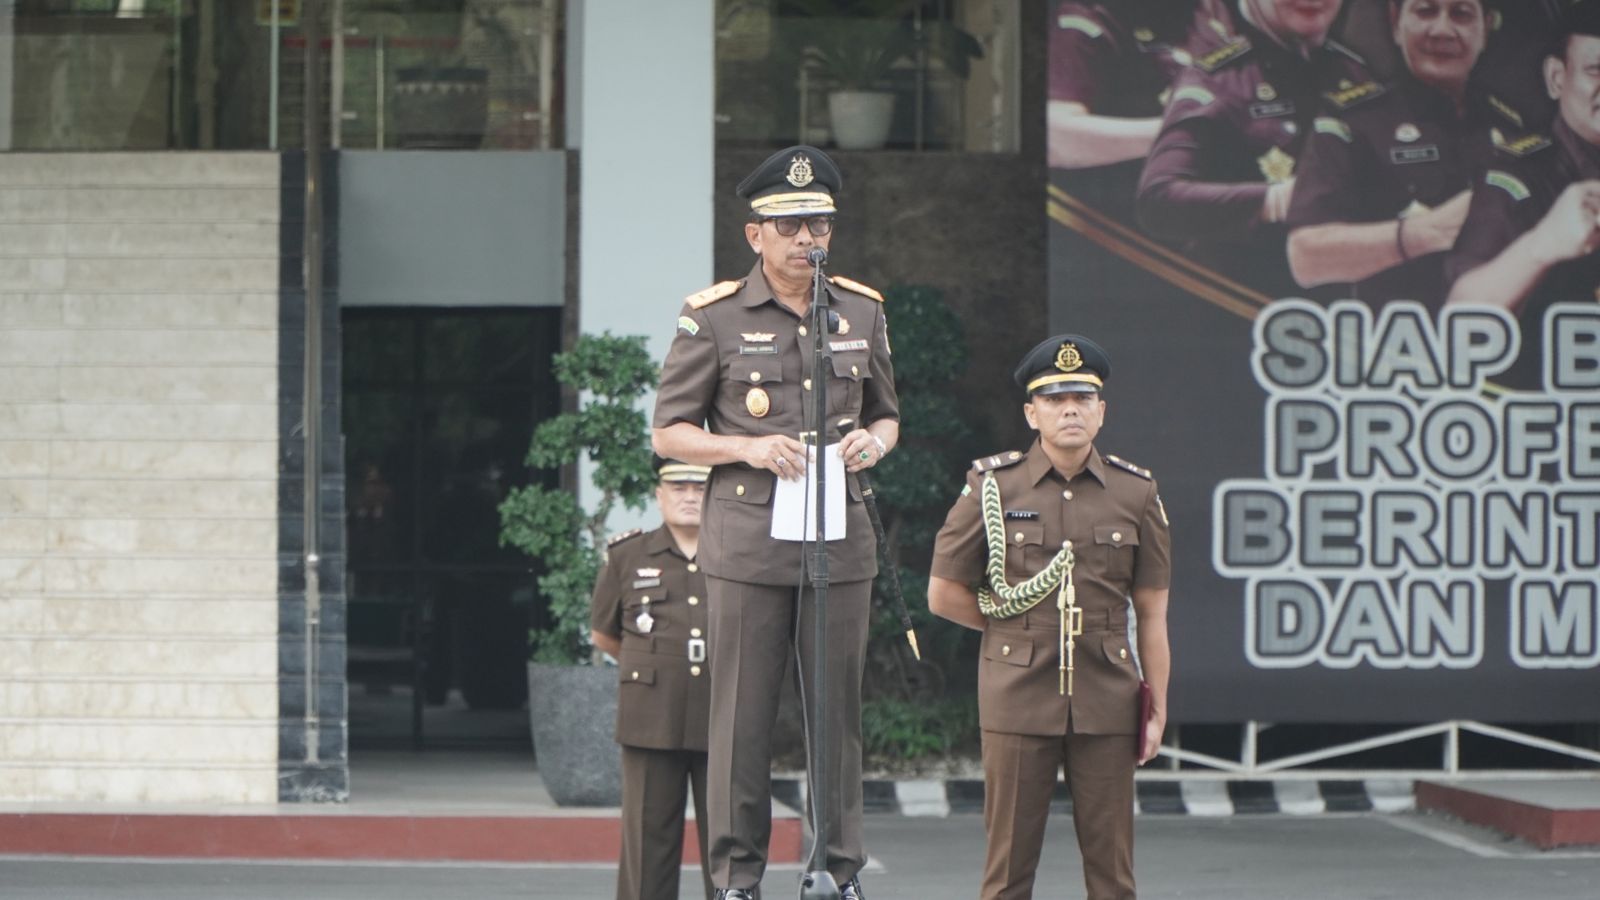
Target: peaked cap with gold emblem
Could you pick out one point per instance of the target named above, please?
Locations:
(799, 181)
(670, 471)
(1066, 363)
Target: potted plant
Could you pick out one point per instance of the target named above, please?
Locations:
(856, 44)
(572, 702)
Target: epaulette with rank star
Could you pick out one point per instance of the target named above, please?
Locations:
(852, 285)
(621, 536)
(1354, 95)
(714, 293)
(1520, 147)
(997, 461)
(1126, 466)
(1227, 53)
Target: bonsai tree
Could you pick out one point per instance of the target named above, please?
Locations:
(611, 374)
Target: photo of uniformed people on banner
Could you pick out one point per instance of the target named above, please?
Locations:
(1355, 247)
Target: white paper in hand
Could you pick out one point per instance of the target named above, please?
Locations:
(794, 512)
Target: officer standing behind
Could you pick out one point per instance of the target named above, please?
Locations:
(1387, 177)
(1222, 171)
(1041, 553)
(1533, 229)
(647, 611)
(735, 395)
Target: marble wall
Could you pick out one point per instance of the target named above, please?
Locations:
(139, 491)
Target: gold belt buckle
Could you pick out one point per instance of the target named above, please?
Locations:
(697, 650)
(1074, 620)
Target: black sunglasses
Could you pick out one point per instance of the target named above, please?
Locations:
(789, 226)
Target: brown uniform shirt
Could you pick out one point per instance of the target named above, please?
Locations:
(665, 698)
(1112, 515)
(741, 365)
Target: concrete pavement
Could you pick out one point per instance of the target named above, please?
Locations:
(1330, 857)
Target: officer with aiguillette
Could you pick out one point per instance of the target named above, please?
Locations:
(1042, 553)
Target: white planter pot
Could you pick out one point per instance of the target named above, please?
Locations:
(860, 119)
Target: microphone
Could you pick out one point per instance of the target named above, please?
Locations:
(817, 256)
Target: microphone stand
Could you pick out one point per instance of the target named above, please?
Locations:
(818, 883)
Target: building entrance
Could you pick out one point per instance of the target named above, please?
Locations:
(439, 407)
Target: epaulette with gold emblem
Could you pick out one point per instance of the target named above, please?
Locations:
(856, 286)
(621, 536)
(1126, 466)
(1354, 95)
(1227, 53)
(714, 293)
(997, 461)
(1520, 147)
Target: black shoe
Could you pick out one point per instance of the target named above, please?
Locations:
(851, 890)
(735, 894)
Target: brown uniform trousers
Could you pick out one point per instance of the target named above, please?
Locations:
(653, 599)
(740, 365)
(1031, 729)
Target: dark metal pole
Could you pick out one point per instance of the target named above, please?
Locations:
(311, 423)
(818, 883)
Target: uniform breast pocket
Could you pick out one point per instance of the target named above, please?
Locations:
(642, 609)
(755, 387)
(1114, 547)
(850, 372)
(1026, 552)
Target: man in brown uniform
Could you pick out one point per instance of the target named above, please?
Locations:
(1041, 553)
(648, 611)
(736, 392)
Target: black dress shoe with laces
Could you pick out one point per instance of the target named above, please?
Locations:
(851, 890)
(735, 894)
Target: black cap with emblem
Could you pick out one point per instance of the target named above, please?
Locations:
(1066, 363)
(799, 181)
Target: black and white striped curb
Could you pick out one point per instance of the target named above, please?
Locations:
(1154, 796)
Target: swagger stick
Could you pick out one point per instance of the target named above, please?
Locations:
(871, 499)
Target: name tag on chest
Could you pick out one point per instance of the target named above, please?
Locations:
(1403, 156)
(845, 346)
(1273, 110)
(1024, 514)
(760, 350)
(646, 582)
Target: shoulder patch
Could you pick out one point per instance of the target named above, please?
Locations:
(1505, 109)
(688, 326)
(997, 461)
(1227, 53)
(1193, 92)
(1345, 98)
(619, 537)
(852, 285)
(1126, 466)
(714, 293)
(1335, 127)
(1509, 183)
(1080, 23)
(1526, 145)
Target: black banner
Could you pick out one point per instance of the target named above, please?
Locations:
(1343, 257)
